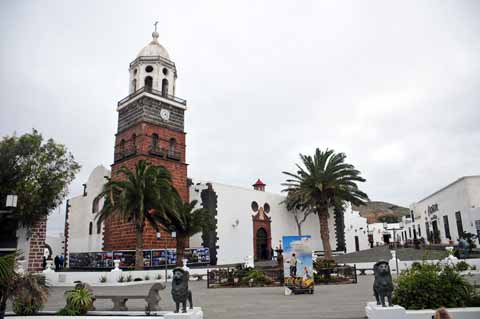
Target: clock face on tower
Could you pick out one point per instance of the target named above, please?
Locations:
(165, 114)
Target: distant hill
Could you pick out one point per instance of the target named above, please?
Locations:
(374, 210)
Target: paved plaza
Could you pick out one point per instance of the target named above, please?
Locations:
(329, 301)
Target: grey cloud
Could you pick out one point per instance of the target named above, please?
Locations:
(392, 84)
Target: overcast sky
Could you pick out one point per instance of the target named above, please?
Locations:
(394, 85)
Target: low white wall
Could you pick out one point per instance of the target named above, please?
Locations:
(93, 277)
(374, 311)
(403, 265)
(457, 313)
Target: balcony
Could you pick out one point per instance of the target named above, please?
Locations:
(154, 92)
(164, 153)
(128, 152)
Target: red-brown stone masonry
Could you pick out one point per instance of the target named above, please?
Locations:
(144, 132)
(37, 245)
(119, 235)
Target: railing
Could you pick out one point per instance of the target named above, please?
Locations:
(154, 92)
(157, 151)
(235, 277)
(336, 275)
(124, 154)
(162, 152)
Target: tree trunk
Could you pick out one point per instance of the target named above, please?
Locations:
(180, 249)
(139, 249)
(323, 219)
(299, 225)
(299, 229)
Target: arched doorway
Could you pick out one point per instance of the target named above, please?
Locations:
(262, 235)
(261, 243)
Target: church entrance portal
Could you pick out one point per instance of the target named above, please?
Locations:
(262, 236)
(262, 244)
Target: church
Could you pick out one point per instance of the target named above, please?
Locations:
(249, 221)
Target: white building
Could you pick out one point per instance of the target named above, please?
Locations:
(249, 222)
(82, 233)
(356, 231)
(448, 212)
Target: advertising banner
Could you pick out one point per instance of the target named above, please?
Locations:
(298, 264)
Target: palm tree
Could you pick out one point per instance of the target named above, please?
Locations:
(188, 221)
(324, 180)
(143, 195)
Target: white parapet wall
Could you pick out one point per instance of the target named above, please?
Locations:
(68, 278)
(373, 311)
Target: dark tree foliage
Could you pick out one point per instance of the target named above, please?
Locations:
(37, 171)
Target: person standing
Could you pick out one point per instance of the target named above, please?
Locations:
(293, 266)
(56, 261)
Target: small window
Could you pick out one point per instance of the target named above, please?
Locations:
(164, 87)
(148, 83)
(95, 205)
(99, 228)
(134, 141)
(149, 69)
(266, 207)
(90, 228)
(154, 141)
(122, 147)
(165, 71)
(171, 147)
(135, 71)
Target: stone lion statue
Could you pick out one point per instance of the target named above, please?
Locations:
(180, 291)
(383, 284)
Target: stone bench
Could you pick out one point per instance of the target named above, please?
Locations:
(120, 300)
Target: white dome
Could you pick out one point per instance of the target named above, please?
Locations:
(154, 48)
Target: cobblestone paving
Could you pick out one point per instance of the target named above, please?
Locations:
(328, 301)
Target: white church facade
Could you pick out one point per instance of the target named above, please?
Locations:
(248, 222)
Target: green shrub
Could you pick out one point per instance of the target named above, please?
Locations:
(103, 278)
(121, 279)
(462, 266)
(159, 276)
(430, 286)
(129, 278)
(256, 278)
(147, 277)
(68, 311)
(321, 263)
(80, 299)
(29, 294)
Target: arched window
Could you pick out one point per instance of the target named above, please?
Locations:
(171, 147)
(164, 87)
(122, 147)
(154, 141)
(134, 141)
(134, 85)
(95, 205)
(99, 228)
(90, 228)
(148, 83)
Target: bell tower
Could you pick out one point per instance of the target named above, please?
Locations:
(150, 127)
